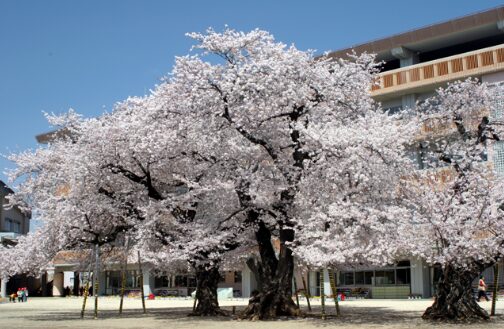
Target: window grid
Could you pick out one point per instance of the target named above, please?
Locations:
(499, 157)
(497, 109)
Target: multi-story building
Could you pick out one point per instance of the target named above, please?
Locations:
(13, 223)
(415, 63)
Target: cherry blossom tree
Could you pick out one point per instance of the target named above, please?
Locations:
(457, 219)
(188, 204)
(291, 117)
(101, 183)
(247, 140)
(60, 184)
(349, 219)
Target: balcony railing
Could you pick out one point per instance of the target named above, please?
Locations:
(474, 63)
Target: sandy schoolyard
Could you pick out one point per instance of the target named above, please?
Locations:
(172, 313)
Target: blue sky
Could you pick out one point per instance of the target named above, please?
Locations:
(87, 55)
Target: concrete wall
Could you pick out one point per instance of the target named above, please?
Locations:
(3, 287)
(68, 279)
(148, 282)
(249, 282)
(493, 77)
(58, 280)
(420, 278)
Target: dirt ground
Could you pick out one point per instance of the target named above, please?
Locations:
(172, 313)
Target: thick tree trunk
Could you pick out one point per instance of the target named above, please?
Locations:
(206, 292)
(274, 297)
(454, 299)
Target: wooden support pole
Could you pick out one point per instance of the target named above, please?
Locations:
(322, 294)
(86, 292)
(307, 294)
(96, 279)
(141, 282)
(124, 273)
(495, 288)
(332, 281)
(296, 290)
(195, 303)
(123, 281)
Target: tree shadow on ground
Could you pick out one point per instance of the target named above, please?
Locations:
(354, 317)
(178, 314)
(357, 317)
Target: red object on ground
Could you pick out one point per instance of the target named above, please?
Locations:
(151, 296)
(342, 297)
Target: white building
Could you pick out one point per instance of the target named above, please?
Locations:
(416, 63)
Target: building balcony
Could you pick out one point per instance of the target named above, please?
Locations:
(429, 75)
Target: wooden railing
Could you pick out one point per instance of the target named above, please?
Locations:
(472, 63)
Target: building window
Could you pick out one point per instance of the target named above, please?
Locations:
(368, 277)
(497, 108)
(237, 277)
(359, 277)
(398, 275)
(403, 276)
(162, 282)
(114, 280)
(347, 278)
(384, 277)
(181, 281)
(12, 225)
(499, 157)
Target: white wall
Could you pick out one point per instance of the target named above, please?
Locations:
(58, 287)
(68, 279)
(493, 77)
(249, 282)
(420, 278)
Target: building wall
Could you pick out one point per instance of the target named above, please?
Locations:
(13, 214)
(249, 282)
(493, 77)
(58, 281)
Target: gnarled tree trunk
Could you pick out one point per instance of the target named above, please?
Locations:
(207, 281)
(274, 297)
(454, 298)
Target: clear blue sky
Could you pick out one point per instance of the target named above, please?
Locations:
(90, 54)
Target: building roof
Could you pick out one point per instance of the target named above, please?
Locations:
(5, 187)
(486, 23)
(51, 136)
(23, 210)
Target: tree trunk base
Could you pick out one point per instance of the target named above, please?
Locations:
(459, 312)
(269, 306)
(454, 297)
(206, 293)
(215, 312)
